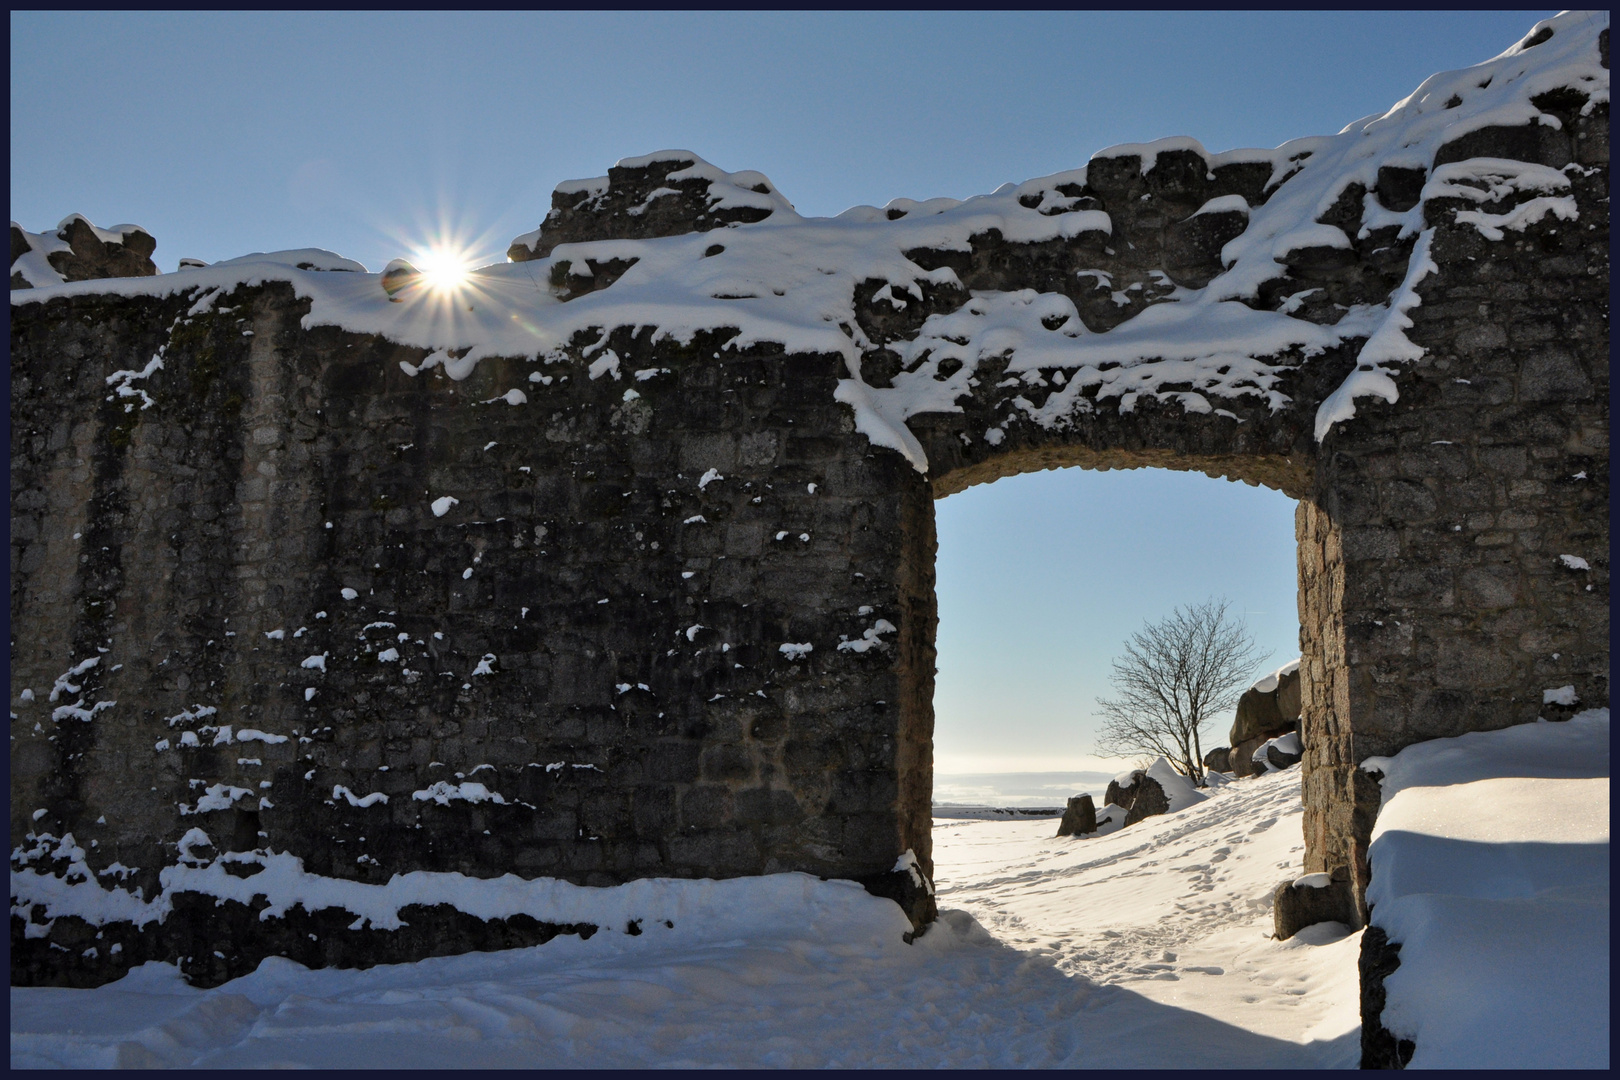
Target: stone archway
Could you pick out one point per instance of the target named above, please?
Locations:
(1006, 465)
(658, 574)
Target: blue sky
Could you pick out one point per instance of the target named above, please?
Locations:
(374, 134)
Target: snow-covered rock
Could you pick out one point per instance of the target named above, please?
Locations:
(77, 250)
(1268, 709)
(1311, 899)
(1278, 753)
(1490, 875)
(662, 194)
(1158, 789)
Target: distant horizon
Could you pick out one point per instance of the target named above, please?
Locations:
(1021, 789)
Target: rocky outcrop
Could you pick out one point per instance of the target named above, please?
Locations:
(1271, 707)
(79, 251)
(1079, 817)
(1312, 899)
(669, 193)
(1142, 794)
(1219, 759)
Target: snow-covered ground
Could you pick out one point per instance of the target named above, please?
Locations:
(1149, 947)
(1175, 910)
(1145, 948)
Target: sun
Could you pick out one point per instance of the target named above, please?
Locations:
(444, 268)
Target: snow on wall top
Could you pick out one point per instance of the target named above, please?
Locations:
(689, 195)
(31, 261)
(78, 249)
(756, 266)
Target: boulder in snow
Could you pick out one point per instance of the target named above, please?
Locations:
(1312, 899)
(1277, 754)
(1269, 708)
(1157, 789)
(1079, 818)
(1219, 759)
(1148, 799)
(1122, 789)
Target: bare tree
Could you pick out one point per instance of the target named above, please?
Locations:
(1176, 676)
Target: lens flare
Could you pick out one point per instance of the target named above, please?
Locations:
(444, 268)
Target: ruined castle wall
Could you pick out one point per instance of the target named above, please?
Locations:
(1434, 593)
(661, 605)
(635, 714)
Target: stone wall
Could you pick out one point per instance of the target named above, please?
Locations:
(637, 717)
(1433, 596)
(607, 630)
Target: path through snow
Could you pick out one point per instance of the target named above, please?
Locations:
(1175, 908)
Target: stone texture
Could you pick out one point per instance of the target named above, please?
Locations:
(1294, 907)
(629, 209)
(1219, 759)
(1079, 817)
(90, 257)
(1147, 800)
(1380, 1049)
(1122, 796)
(1263, 715)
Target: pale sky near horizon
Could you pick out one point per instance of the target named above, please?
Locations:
(374, 134)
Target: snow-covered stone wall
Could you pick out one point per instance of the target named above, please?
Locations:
(617, 561)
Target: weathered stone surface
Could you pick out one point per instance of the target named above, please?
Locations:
(1079, 817)
(639, 203)
(1219, 759)
(214, 942)
(1267, 713)
(1121, 795)
(1294, 907)
(639, 722)
(1263, 715)
(1147, 800)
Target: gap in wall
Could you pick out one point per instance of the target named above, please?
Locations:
(1041, 577)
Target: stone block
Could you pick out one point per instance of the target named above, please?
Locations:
(1315, 898)
(1079, 817)
(1553, 374)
